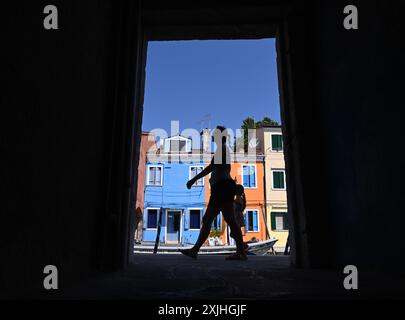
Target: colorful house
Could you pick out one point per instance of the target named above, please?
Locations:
(180, 210)
(250, 174)
(247, 170)
(270, 143)
(147, 145)
(166, 194)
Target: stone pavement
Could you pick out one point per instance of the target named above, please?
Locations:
(212, 277)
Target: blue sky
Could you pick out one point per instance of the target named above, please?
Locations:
(226, 79)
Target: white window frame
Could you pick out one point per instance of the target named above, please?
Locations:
(285, 214)
(181, 224)
(147, 217)
(202, 179)
(271, 142)
(253, 165)
(272, 179)
(188, 144)
(148, 173)
(201, 215)
(258, 219)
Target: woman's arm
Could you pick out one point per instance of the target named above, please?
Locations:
(203, 173)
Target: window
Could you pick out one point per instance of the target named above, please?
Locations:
(251, 220)
(279, 221)
(216, 224)
(195, 218)
(278, 179)
(249, 176)
(155, 175)
(276, 142)
(152, 218)
(194, 170)
(178, 145)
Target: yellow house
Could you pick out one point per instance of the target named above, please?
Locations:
(270, 143)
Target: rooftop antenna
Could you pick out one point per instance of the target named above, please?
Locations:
(205, 122)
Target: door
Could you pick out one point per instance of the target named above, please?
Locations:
(173, 226)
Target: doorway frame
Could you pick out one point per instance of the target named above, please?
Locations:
(180, 211)
(139, 28)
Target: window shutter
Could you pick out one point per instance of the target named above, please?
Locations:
(150, 176)
(193, 172)
(286, 225)
(253, 177)
(187, 220)
(274, 142)
(158, 175)
(245, 176)
(282, 180)
(273, 221)
(247, 219)
(200, 181)
(255, 221)
(278, 179)
(145, 219)
(277, 142)
(219, 225)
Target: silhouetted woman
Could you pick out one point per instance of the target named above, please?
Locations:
(223, 190)
(240, 206)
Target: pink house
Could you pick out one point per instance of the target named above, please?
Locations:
(147, 142)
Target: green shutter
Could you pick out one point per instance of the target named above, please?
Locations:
(286, 225)
(276, 142)
(273, 221)
(278, 179)
(275, 180)
(282, 180)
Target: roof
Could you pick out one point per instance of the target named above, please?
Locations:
(179, 136)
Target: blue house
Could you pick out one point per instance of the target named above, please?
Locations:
(167, 197)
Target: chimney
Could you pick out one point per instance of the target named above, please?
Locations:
(205, 140)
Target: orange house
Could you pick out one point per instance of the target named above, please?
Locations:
(250, 174)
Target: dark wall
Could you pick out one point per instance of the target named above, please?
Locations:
(59, 100)
(348, 115)
(56, 108)
(362, 114)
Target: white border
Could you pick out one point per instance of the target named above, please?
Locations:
(181, 211)
(241, 171)
(258, 219)
(189, 175)
(272, 180)
(179, 138)
(282, 230)
(271, 141)
(147, 176)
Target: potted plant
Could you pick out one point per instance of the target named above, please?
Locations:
(215, 237)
